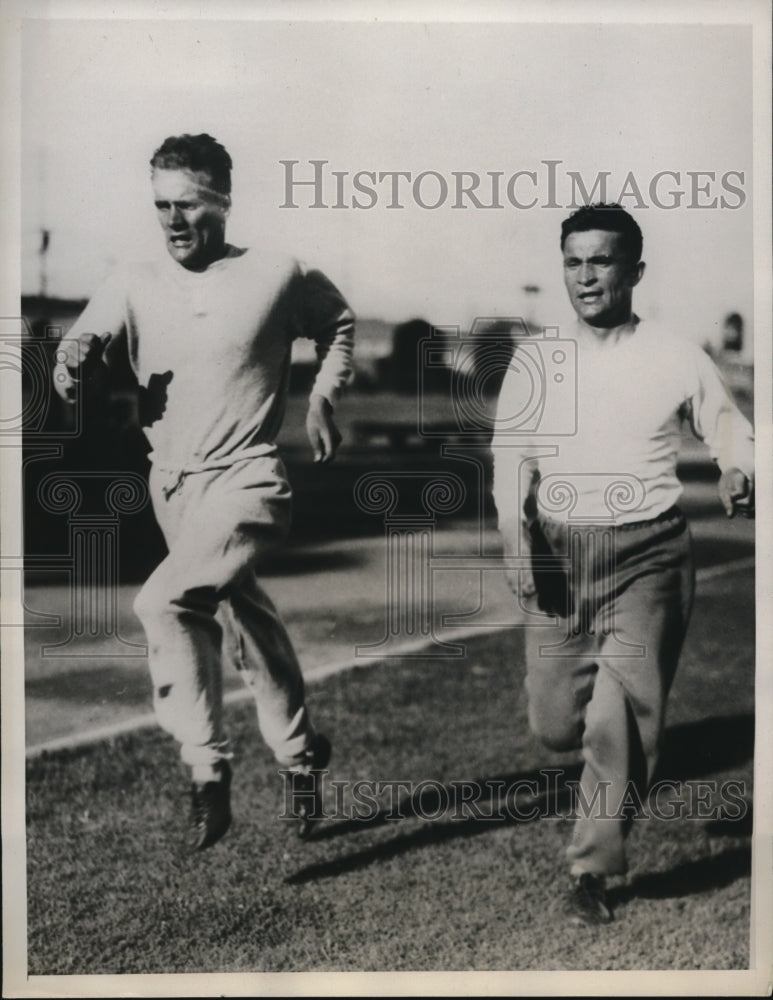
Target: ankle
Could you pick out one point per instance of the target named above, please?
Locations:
(203, 774)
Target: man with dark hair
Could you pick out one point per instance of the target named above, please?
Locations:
(208, 329)
(610, 218)
(611, 552)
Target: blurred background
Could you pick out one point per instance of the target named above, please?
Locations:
(615, 99)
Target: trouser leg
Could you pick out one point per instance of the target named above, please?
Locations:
(598, 837)
(613, 705)
(184, 659)
(263, 653)
(218, 527)
(575, 703)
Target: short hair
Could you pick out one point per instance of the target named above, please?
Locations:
(612, 218)
(195, 152)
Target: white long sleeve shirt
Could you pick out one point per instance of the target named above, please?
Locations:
(613, 429)
(216, 345)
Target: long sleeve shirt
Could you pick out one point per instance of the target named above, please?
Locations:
(610, 446)
(214, 347)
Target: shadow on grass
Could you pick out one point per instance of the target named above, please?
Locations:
(741, 827)
(688, 878)
(691, 750)
(495, 806)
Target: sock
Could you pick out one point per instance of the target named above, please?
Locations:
(203, 773)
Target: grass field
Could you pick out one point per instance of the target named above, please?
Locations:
(109, 890)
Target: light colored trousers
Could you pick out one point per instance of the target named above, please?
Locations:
(203, 603)
(629, 591)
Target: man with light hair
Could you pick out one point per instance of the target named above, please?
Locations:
(610, 549)
(208, 329)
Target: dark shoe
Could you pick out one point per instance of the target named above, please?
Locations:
(586, 902)
(210, 809)
(307, 786)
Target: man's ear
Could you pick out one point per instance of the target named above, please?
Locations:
(637, 272)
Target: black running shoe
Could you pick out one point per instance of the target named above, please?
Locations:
(307, 786)
(586, 902)
(210, 809)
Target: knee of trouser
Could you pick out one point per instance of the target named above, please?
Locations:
(154, 599)
(142, 604)
(601, 737)
(557, 731)
(161, 597)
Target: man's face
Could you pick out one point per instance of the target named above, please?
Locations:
(600, 277)
(192, 216)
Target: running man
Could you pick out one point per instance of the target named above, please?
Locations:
(208, 329)
(611, 551)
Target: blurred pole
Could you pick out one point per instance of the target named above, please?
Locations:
(45, 232)
(45, 240)
(531, 291)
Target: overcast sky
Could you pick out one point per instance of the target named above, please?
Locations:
(99, 96)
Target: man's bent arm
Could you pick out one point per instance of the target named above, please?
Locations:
(515, 477)
(330, 323)
(716, 420)
(100, 324)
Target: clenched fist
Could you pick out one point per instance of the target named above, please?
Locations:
(324, 436)
(76, 357)
(736, 492)
(74, 354)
